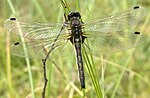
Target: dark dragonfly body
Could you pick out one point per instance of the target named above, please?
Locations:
(99, 36)
(77, 39)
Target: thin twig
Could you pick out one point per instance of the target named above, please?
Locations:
(45, 78)
(66, 9)
(65, 6)
(44, 62)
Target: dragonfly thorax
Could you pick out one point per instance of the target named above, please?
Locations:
(76, 32)
(75, 27)
(75, 23)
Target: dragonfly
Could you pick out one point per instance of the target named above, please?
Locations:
(98, 36)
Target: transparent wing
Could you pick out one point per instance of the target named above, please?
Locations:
(36, 48)
(113, 42)
(33, 30)
(116, 22)
(39, 37)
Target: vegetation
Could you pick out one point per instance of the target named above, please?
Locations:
(122, 75)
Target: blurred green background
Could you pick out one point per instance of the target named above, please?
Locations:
(125, 74)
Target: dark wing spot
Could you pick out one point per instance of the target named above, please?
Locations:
(12, 18)
(136, 7)
(136, 32)
(16, 43)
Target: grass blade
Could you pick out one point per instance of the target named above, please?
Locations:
(25, 50)
(90, 66)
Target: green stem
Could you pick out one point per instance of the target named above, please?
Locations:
(25, 51)
(65, 6)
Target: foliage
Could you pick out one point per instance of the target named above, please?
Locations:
(121, 75)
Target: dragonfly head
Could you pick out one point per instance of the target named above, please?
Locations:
(74, 15)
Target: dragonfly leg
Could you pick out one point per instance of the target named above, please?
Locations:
(66, 20)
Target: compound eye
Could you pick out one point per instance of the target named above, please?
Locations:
(78, 15)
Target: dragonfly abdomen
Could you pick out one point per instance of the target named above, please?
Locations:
(80, 64)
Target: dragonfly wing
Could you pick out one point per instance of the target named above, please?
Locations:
(35, 48)
(116, 22)
(113, 42)
(33, 30)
